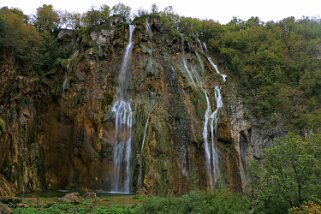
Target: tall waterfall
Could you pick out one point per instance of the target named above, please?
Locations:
(205, 138)
(210, 117)
(122, 149)
(210, 121)
(213, 120)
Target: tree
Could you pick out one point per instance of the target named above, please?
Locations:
(290, 174)
(46, 18)
(20, 14)
(2, 29)
(121, 9)
(96, 17)
(18, 36)
(154, 9)
(104, 12)
(91, 17)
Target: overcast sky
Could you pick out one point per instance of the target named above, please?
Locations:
(218, 10)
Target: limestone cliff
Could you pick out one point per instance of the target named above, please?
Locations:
(58, 131)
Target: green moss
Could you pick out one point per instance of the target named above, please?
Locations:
(2, 126)
(199, 101)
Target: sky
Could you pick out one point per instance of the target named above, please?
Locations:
(219, 10)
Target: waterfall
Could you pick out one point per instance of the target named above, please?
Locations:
(140, 176)
(65, 84)
(123, 74)
(200, 45)
(223, 76)
(121, 109)
(21, 168)
(205, 137)
(148, 29)
(189, 74)
(200, 61)
(211, 152)
(210, 123)
(214, 119)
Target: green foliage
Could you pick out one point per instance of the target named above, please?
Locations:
(83, 208)
(2, 126)
(291, 174)
(20, 14)
(198, 202)
(46, 18)
(121, 9)
(17, 36)
(277, 64)
(70, 20)
(49, 52)
(2, 28)
(96, 17)
(306, 208)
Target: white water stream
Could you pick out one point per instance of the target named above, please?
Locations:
(122, 149)
(140, 176)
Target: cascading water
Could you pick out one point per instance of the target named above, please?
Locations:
(122, 149)
(213, 64)
(140, 176)
(205, 137)
(210, 122)
(211, 152)
(148, 29)
(213, 120)
(21, 167)
(200, 45)
(66, 82)
(189, 74)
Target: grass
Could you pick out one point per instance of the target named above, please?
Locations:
(193, 202)
(103, 204)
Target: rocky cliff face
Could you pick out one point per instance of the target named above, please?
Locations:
(58, 132)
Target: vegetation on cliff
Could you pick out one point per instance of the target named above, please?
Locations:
(276, 66)
(276, 63)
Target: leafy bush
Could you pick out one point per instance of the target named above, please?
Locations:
(306, 208)
(290, 174)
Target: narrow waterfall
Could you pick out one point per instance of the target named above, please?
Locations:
(148, 29)
(206, 144)
(200, 45)
(223, 76)
(21, 165)
(214, 119)
(189, 74)
(140, 176)
(122, 149)
(65, 84)
(200, 61)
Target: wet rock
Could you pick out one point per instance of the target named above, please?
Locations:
(142, 191)
(65, 34)
(5, 209)
(73, 198)
(6, 189)
(90, 195)
(9, 199)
